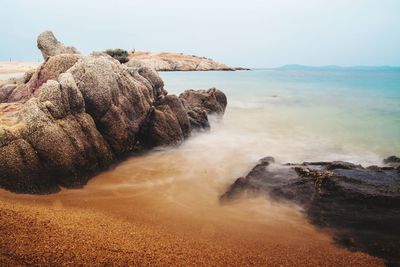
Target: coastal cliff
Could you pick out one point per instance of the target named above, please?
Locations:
(75, 115)
(175, 62)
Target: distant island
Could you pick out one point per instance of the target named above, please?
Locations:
(159, 61)
(167, 61)
(335, 67)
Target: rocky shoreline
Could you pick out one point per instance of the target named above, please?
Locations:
(360, 205)
(167, 61)
(75, 115)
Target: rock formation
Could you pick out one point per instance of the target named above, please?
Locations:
(392, 161)
(77, 114)
(361, 205)
(175, 62)
(212, 100)
(50, 46)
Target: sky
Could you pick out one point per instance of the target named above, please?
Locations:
(251, 33)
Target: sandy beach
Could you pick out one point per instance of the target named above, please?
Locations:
(64, 235)
(17, 66)
(10, 69)
(137, 214)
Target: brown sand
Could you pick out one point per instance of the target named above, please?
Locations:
(17, 66)
(162, 209)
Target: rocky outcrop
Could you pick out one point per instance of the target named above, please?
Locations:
(162, 128)
(50, 46)
(77, 114)
(180, 111)
(361, 205)
(392, 161)
(175, 62)
(212, 100)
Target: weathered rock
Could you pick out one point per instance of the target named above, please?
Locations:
(19, 160)
(5, 91)
(361, 205)
(211, 100)
(173, 119)
(50, 46)
(162, 128)
(77, 114)
(50, 70)
(180, 112)
(197, 116)
(154, 79)
(116, 101)
(61, 134)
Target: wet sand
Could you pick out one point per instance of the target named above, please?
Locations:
(162, 208)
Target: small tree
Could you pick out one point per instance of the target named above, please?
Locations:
(119, 54)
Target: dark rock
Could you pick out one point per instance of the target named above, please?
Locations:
(333, 165)
(374, 168)
(211, 100)
(392, 161)
(197, 116)
(240, 186)
(162, 128)
(179, 110)
(361, 205)
(267, 160)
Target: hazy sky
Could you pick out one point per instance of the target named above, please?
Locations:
(254, 33)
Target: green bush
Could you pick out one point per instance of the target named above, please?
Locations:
(119, 54)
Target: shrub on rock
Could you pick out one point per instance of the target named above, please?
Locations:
(119, 54)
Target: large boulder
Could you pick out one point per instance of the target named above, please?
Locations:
(50, 46)
(77, 114)
(392, 161)
(360, 205)
(114, 98)
(162, 128)
(213, 101)
(61, 145)
(180, 112)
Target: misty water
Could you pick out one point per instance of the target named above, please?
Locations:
(303, 115)
(294, 116)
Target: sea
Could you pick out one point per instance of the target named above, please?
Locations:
(302, 115)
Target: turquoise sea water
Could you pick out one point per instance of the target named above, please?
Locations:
(298, 115)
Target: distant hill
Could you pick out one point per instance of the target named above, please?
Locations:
(335, 67)
(166, 61)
